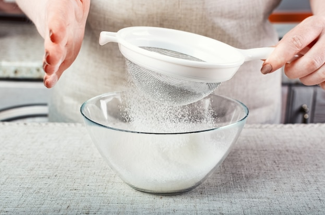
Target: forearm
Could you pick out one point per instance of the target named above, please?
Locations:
(34, 9)
(318, 7)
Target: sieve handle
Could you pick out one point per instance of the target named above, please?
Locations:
(262, 54)
(106, 37)
(256, 53)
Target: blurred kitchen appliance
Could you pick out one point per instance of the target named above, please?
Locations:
(23, 96)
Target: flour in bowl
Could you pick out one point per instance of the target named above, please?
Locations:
(159, 161)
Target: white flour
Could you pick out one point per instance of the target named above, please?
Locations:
(145, 115)
(159, 162)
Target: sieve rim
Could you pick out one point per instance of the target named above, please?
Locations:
(122, 41)
(245, 108)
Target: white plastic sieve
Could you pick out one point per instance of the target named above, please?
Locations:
(178, 67)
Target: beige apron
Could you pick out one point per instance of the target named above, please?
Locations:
(240, 23)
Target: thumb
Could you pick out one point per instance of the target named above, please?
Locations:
(291, 44)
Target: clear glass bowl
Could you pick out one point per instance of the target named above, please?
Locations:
(163, 155)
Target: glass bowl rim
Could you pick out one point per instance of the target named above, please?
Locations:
(162, 133)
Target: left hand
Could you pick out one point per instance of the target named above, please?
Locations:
(307, 40)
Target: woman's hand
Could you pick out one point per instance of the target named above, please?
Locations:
(306, 40)
(62, 25)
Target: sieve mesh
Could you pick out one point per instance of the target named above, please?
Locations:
(166, 89)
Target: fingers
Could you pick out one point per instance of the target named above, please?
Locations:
(50, 80)
(305, 67)
(314, 78)
(55, 53)
(54, 71)
(57, 32)
(294, 42)
(65, 27)
(312, 60)
(308, 41)
(55, 42)
(82, 9)
(79, 12)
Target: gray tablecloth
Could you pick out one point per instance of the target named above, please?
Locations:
(56, 169)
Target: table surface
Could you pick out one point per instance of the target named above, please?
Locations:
(55, 169)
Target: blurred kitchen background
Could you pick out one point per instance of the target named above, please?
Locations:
(22, 94)
(24, 98)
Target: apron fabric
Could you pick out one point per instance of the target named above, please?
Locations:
(239, 23)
